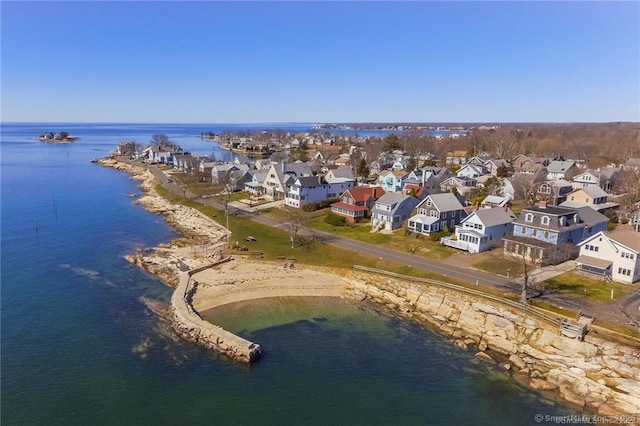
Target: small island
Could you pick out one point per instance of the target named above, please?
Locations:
(62, 137)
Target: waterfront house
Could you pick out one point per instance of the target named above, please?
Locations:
(549, 235)
(306, 189)
(482, 230)
(561, 169)
(356, 203)
(436, 212)
(391, 210)
(612, 255)
(315, 189)
(281, 174)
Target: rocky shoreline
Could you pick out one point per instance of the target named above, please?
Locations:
(598, 375)
(595, 374)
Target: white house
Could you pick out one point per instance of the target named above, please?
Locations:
(470, 171)
(306, 189)
(614, 255)
(481, 230)
(315, 189)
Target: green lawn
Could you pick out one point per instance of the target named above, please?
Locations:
(500, 266)
(398, 240)
(581, 287)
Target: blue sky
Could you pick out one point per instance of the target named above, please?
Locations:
(240, 62)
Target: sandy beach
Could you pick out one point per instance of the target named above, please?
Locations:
(247, 279)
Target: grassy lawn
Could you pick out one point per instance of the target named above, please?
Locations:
(500, 266)
(581, 287)
(397, 241)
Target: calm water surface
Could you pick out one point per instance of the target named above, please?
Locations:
(79, 347)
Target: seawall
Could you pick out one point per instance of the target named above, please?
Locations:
(191, 326)
(595, 374)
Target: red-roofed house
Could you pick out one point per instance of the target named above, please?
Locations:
(355, 204)
(418, 191)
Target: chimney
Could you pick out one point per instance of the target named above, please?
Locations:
(542, 204)
(284, 167)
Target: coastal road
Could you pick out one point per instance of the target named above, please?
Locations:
(624, 315)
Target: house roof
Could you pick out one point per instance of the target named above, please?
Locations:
(342, 172)
(625, 235)
(492, 217)
(444, 202)
(392, 198)
(593, 191)
(591, 217)
(349, 207)
(362, 193)
(557, 166)
(495, 199)
(593, 261)
(426, 220)
(309, 181)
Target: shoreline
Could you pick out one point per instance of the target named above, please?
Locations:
(597, 375)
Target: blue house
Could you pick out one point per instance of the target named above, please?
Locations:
(550, 235)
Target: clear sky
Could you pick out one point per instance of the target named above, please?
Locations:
(240, 62)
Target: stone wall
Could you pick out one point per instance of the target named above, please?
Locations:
(595, 374)
(191, 326)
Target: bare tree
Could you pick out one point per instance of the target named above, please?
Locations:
(295, 221)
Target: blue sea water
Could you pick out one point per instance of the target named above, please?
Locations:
(78, 346)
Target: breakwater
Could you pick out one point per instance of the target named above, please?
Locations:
(595, 374)
(188, 323)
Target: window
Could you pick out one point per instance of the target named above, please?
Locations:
(624, 271)
(545, 220)
(528, 217)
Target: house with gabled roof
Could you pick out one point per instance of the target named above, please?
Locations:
(482, 230)
(471, 171)
(604, 178)
(591, 196)
(391, 210)
(553, 192)
(255, 185)
(356, 203)
(561, 169)
(392, 180)
(436, 212)
(550, 234)
(612, 255)
(340, 172)
(281, 175)
(492, 165)
(221, 172)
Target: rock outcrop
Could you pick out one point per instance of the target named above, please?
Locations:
(598, 375)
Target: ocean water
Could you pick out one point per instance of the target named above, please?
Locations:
(78, 345)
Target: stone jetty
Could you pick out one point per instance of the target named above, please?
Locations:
(191, 326)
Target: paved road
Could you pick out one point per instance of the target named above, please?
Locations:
(625, 312)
